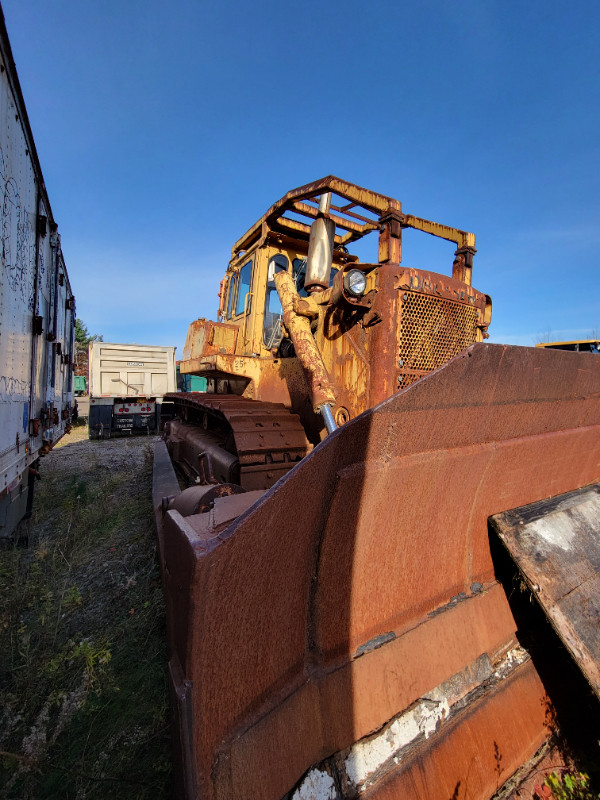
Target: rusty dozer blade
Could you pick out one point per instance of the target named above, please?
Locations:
(347, 631)
(556, 545)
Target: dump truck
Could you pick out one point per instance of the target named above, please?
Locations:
(127, 384)
(576, 346)
(370, 489)
(37, 309)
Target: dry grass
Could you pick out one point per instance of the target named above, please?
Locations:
(82, 639)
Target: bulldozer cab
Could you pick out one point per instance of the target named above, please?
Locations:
(356, 311)
(250, 301)
(281, 240)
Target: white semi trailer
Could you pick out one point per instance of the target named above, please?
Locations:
(37, 308)
(127, 384)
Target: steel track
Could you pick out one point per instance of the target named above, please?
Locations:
(267, 438)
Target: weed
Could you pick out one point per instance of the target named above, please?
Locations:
(72, 597)
(566, 786)
(82, 681)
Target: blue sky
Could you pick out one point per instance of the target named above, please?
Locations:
(165, 130)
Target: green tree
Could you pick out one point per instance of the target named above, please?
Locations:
(82, 334)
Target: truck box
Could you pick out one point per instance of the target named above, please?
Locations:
(127, 384)
(37, 308)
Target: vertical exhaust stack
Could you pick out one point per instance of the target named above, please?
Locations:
(318, 271)
(320, 248)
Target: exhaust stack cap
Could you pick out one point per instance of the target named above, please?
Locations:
(320, 248)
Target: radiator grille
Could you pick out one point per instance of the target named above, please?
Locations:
(432, 331)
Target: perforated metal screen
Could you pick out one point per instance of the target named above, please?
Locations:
(432, 331)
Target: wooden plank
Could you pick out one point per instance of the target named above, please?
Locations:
(555, 544)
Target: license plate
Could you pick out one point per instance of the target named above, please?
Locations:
(123, 423)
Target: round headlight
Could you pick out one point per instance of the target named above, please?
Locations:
(355, 282)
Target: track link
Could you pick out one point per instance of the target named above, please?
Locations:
(267, 438)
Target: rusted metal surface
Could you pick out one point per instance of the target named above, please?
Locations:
(387, 216)
(279, 380)
(390, 238)
(556, 545)
(201, 454)
(398, 761)
(434, 284)
(370, 201)
(461, 238)
(341, 222)
(319, 384)
(431, 330)
(207, 338)
(435, 316)
(226, 438)
(200, 499)
(477, 752)
(462, 267)
(355, 352)
(361, 355)
(164, 480)
(363, 581)
(320, 248)
(341, 612)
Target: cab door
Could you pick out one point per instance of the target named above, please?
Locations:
(241, 305)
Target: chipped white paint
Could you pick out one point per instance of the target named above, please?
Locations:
(367, 760)
(317, 785)
(368, 756)
(511, 659)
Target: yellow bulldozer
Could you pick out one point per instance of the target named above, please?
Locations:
(352, 491)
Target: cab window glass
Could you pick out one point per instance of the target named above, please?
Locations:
(299, 274)
(272, 330)
(243, 288)
(231, 293)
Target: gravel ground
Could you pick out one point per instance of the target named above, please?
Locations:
(75, 452)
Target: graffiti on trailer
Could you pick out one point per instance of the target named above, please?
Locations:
(12, 389)
(17, 238)
(42, 263)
